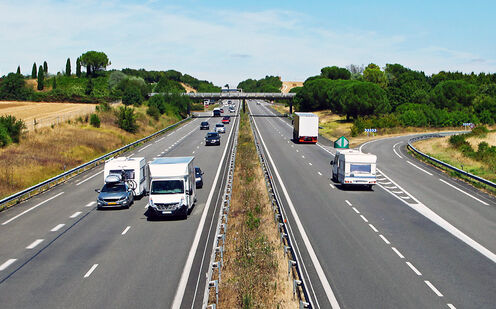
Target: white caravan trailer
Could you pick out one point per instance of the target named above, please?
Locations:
(352, 167)
(172, 186)
(132, 170)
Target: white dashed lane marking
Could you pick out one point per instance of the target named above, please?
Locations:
(91, 270)
(433, 288)
(90, 204)
(34, 244)
(398, 253)
(373, 228)
(385, 239)
(415, 270)
(125, 230)
(74, 215)
(58, 227)
(7, 264)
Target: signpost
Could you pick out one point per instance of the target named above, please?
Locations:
(468, 124)
(370, 131)
(342, 142)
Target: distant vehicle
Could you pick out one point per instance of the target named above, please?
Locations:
(305, 128)
(229, 102)
(232, 109)
(132, 171)
(352, 167)
(221, 109)
(115, 193)
(172, 187)
(198, 177)
(204, 125)
(226, 119)
(258, 103)
(217, 112)
(212, 138)
(219, 128)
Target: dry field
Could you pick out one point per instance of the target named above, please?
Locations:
(188, 88)
(287, 86)
(39, 115)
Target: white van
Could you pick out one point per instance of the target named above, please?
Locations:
(352, 167)
(132, 170)
(172, 187)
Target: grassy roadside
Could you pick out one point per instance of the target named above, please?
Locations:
(254, 274)
(47, 152)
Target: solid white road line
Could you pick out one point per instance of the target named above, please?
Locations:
(364, 219)
(394, 146)
(431, 215)
(306, 241)
(348, 202)
(90, 204)
(58, 227)
(433, 288)
(356, 210)
(7, 264)
(373, 228)
(415, 270)
(34, 244)
(86, 179)
(178, 298)
(91, 270)
(125, 230)
(35, 206)
(466, 193)
(398, 253)
(428, 173)
(385, 239)
(74, 215)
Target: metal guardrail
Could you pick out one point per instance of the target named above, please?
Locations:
(214, 279)
(43, 186)
(427, 136)
(294, 271)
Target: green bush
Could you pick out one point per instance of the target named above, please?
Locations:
(132, 96)
(126, 119)
(4, 137)
(457, 140)
(153, 111)
(95, 120)
(479, 131)
(13, 126)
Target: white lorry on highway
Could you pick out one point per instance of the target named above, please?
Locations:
(132, 171)
(305, 128)
(172, 187)
(352, 167)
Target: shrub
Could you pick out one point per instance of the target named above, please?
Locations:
(153, 111)
(13, 126)
(480, 131)
(126, 119)
(457, 140)
(4, 137)
(132, 96)
(95, 120)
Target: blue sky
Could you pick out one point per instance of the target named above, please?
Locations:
(229, 41)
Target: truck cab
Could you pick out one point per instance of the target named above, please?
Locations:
(352, 167)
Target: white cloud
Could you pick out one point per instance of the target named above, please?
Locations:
(223, 46)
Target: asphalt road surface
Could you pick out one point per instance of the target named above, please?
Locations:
(58, 251)
(419, 239)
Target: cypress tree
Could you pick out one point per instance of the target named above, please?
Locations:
(19, 70)
(78, 67)
(45, 67)
(54, 83)
(33, 72)
(68, 67)
(41, 78)
(89, 87)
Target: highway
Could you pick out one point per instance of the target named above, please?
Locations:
(419, 239)
(58, 251)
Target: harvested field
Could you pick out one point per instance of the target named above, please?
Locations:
(39, 115)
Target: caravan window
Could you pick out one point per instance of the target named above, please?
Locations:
(360, 168)
(129, 174)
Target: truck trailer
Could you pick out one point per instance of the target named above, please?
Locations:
(172, 187)
(305, 128)
(352, 167)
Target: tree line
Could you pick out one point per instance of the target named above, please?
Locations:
(270, 84)
(398, 96)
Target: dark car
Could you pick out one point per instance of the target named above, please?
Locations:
(115, 194)
(212, 138)
(204, 125)
(226, 119)
(198, 177)
(221, 109)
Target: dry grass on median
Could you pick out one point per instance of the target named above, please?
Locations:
(255, 267)
(49, 151)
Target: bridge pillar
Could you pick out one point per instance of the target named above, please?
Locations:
(244, 103)
(291, 107)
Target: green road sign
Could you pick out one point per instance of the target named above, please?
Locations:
(342, 142)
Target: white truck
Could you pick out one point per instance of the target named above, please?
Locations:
(305, 128)
(172, 187)
(132, 171)
(352, 167)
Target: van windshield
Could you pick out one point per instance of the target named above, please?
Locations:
(360, 168)
(167, 187)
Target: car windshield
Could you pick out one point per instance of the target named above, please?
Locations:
(212, 135)
(360, 168)
(204, 123)
(219, 125)
(167, 187)
(120, 187)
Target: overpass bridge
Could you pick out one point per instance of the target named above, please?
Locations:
(237, 95)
